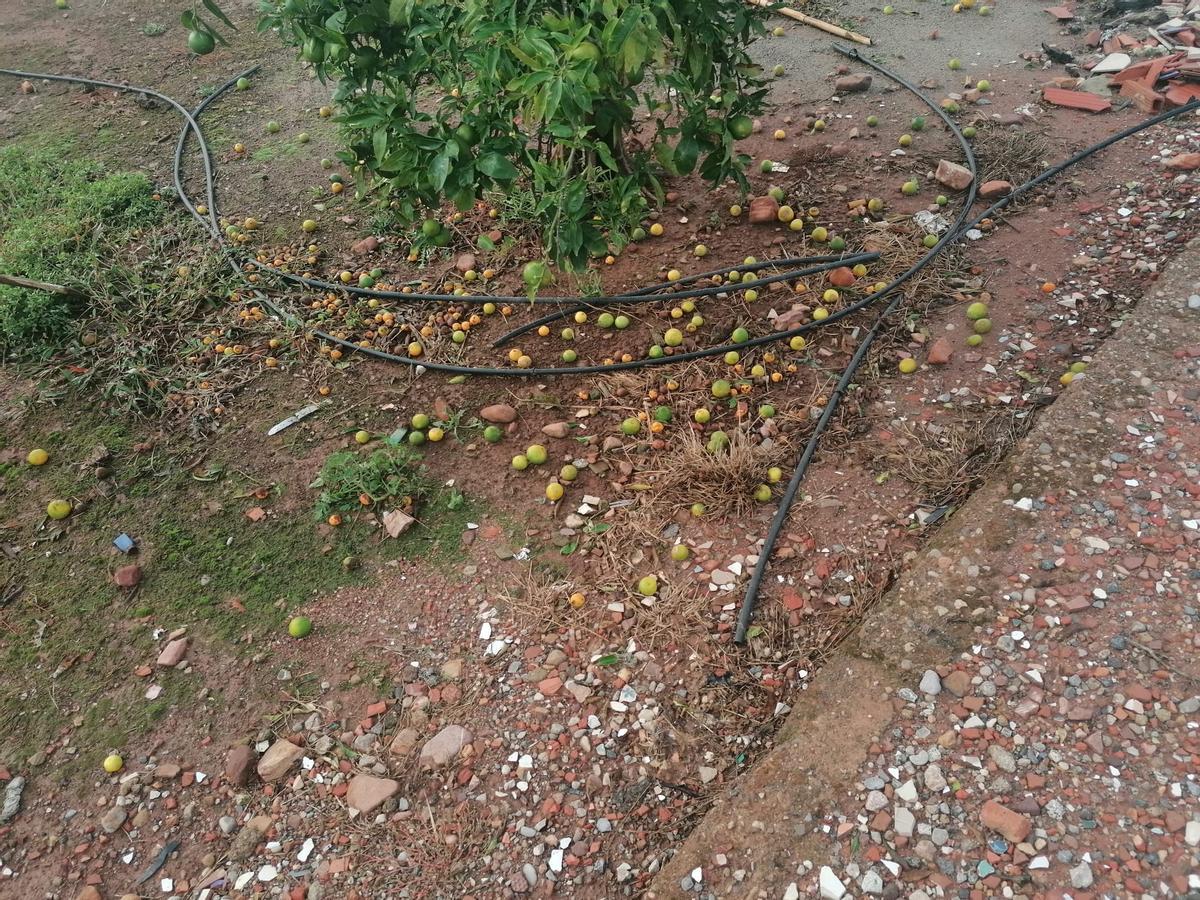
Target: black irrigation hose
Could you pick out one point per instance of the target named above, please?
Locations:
(952, 234)
(206, 156)
(641, 295)
(1055, 170)
(824, 264)
(181, 144)
(789, 495)
(485, 371)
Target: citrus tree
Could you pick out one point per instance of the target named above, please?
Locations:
(572, 109)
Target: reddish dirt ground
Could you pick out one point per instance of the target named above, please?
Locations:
(599, 736)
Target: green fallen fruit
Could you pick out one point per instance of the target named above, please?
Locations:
(300, 627)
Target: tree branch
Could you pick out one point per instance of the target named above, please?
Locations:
(46, 286)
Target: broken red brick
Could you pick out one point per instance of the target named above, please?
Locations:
(1000, 818)
(1076, 100)
(1132, 73)
(128, 576)
(1184, 162)
(1144, 98)
(1182, 94)
(940, 352)
(990, 190)
(1155, 70)
(763, 210)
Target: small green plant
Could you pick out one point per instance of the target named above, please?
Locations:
(449, 101)
(392, 474)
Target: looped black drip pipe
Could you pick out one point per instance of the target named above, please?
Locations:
(655, 292)
(810, 449)
(952, 234)
(822, 263)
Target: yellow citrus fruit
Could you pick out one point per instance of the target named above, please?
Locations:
(554, 492)
(362, 437)
(300, 627)
(58, 509)
(113, 763)
(577, 600)
(908, 366)
(37, 457)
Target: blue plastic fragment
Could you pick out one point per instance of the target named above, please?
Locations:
(996, 845)
(123, 542)
(985, 868)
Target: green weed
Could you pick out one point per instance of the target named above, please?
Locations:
(390, 474)
(60, 217)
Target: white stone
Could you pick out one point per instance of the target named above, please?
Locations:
(1081, 876)
(831, 886)
(872, 882)
(907, 791)
(934, 779)
(1191, 834)
(931, 684)
(1114, 62)
(904, 822)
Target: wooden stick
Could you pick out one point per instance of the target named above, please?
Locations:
(827, 27)
(46, 286)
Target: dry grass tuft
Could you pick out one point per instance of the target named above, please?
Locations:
(945, 462)
(864, 580)
(1008, 155)
(540, 594)
(723, 481)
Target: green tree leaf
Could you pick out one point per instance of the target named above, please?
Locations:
(496, 166)
(217, 11)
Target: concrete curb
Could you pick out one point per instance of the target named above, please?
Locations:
(927, 618)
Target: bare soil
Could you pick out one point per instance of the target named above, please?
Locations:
(403, 612)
